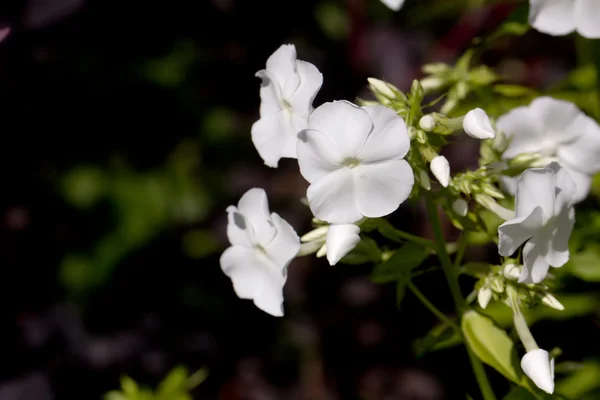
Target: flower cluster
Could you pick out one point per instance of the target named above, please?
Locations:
(363, 161)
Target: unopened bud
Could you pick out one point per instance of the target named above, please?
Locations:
(477, 125)
(427, 123)
(460, 207)
(484, 296)
(382, 88)
(552, 302)
(441, 170)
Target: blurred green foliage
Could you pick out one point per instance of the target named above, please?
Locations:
(175, 386)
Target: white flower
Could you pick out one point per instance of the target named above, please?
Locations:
(352, 158)
(538, 366)
(561, 17)
(393, 4)
(441, 170)
(477, 125)
(557, 130)
(287, 91)
(544, 219)
(341, 240)
(262, 246)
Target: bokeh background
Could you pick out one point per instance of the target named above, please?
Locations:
(125, 131)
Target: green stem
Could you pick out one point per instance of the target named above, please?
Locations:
(429, 305)
(460, 252)
(452, 278)
(388, 231)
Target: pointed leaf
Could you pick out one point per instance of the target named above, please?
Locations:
(407, 257)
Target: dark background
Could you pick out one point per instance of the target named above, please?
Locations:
(125, 131)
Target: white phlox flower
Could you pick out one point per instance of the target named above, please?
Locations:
(538, 366)
(353, 159)
(544, 219)
(557, 130)
(262, 246)
(561, 17)
(393, 4)
(441, 170)
(287, 91)
(477, 124)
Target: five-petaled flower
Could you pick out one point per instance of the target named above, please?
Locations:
(353, 158)
(544, 219)
(287, 91)
(262, 246)
(561, 17)
(559, 131)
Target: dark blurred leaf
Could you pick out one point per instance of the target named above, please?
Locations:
(366, 251)
(407, 257)
(441, 336)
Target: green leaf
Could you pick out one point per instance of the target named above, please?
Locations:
(401, 289)
(491, 345)
(440, 337)
(585, 265)
(174, 383)
(580, 382)
(366, 251)
(513, 90)
(407, 257)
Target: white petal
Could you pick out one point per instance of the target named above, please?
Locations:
(282, 66)
(317, 155)
(274, 136)
(565, 188)
(554, 17)
(583, 152)
(341, 239)
(346, 124)
(333, 198)
(536, 188)
(255, 208)
(558, 250)
(509, 184)
(557, 117)
(539, 368)
(535, 265)
(512, 234)
(393, 4)
(587, 15)
(285, 245)
(254, 277)
(239, 230)
(389, 138)
(270, 93)
(524, 129)
(310, 83)
(441, 170)
(583, 184)
(477, 124)
(381, 188)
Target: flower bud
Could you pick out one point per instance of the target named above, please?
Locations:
(484, 296)
(432, 83)
(512, 271)
(477, 125)
(441, 170)
(382, 88)
(341, 239)
(427, 123)
(315, 234)
(552, 302)
(424, 180)
(460, 207)
(538, 366)
(322, 251)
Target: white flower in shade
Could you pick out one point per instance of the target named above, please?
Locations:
(544, 219)
(288, 89)
(538, 366)
(352, 158)
(262, 246)
(561, 17)
(477, 124)
(341, 240)
(393, 4)
(441, 170)
(557, 130)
